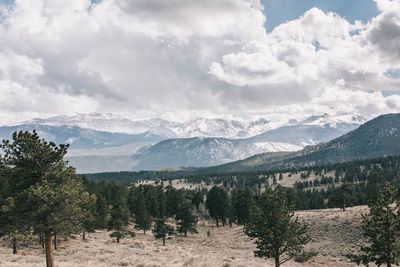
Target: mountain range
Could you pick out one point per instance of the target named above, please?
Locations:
(376, 138)
(108, 142)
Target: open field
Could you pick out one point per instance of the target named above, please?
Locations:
(335, 233)
(288, 180)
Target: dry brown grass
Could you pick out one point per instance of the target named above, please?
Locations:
(334, 234)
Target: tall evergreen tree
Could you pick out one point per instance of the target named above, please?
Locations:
(119, 221)
(277, 233)
(174, 199)
(131, 200)
(162, 230)
(217, 204)
(53, 198)
(14, 224)
(89, 221)
(186, 219)
(375, 183)
(342, 196)
(101, 212)
(241, 200)
(198, 198)
(142, 216)
(382, 230)
(162, 201)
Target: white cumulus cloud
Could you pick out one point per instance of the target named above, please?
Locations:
(195, 57)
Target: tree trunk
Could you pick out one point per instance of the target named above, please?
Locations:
(42, 240)
(84, 235)
(144, 231)
(55, 241)
(15, 245)
(49, 250)
(277, 263)
(388, 264)
(217, 222)
(163, 241)
(344, 203)
(118, 239)
(185, 232)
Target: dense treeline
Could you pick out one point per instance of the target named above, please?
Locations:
(321, 192)
(354, 170)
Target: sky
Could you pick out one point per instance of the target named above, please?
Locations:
(179, 60)
(281, 11)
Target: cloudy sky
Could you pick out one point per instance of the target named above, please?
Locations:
(179, 59)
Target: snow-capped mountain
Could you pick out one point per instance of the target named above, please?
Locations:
(105, 122)
(107, 142)
(199, 127)
(182, 152)
(333, 121)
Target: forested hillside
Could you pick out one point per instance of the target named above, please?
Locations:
(379, 137)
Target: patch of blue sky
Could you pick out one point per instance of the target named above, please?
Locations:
(389, 93)
(393, 73)
(280, 11)
(6, 2)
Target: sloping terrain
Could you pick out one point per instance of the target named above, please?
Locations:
(379, 137)
(79, 138)
(334, 233)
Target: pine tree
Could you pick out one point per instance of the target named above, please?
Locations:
(342, 196)
(276, 232)
(197, 199)
(382, 230)
(162, 201)
(241, 200)
(186, 219)
(161, 230)
(217, 204)
(174, 199)
(142, 216)
(101, 212)
(131, 200)
(14, 224)
(375, 183)
(53, 197)
(119, 220)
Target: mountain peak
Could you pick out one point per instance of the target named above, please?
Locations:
(201, 126)
(333, 121)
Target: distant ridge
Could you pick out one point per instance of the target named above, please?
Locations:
(109, 142)
(376, 138)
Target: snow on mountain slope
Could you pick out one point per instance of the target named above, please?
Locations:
(103, 122)
(333, 121)
(183, 152)
(275, 147)
(123, 144)
(199, 127)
